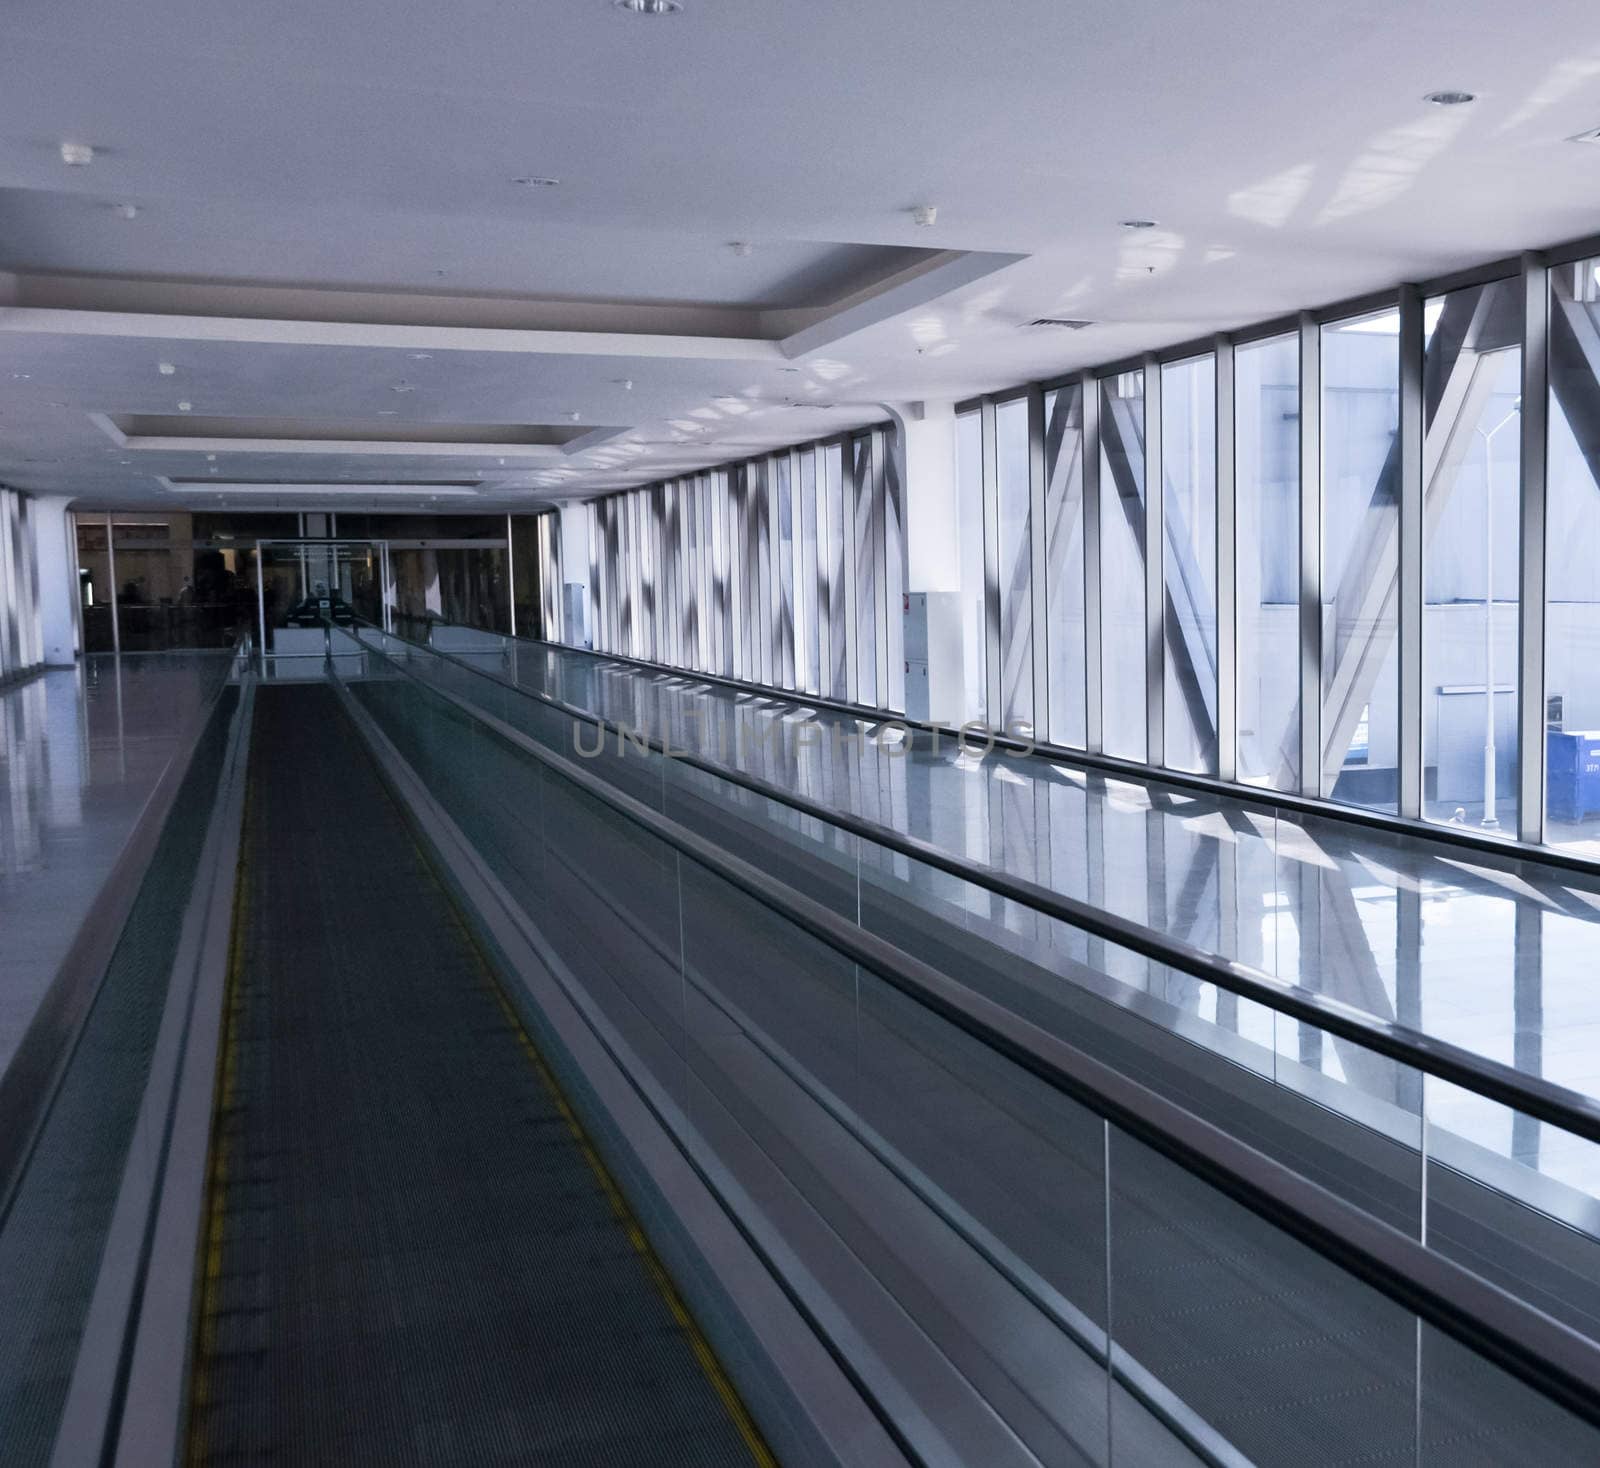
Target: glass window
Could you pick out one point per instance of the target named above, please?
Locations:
(892, 568)
(834, 591)
(1572, 612)
(783, 516)
(1360, 566)
(1267, 564)
(969, 490)
(693, 592)
(766, 668)
(1016, 564)
(1472, 466)
(1189, 566)
(1122, 629)
(867, 512)
(1063, 508)
(721, 638)
(810, 595)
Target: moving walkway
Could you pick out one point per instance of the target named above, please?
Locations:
(430, 998)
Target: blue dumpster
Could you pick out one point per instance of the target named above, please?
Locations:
(1573, 768)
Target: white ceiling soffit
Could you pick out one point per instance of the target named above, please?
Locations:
(290, 490)
(305, 226)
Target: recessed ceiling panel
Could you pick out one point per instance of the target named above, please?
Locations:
(189, 425)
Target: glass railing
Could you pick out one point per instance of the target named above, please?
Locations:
(1428, 1137)
(805, 1007)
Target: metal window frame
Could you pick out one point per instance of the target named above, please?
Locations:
(1533, 534)
(1309, 388)
(1038, 573)
(1224, 447)
(1410, 566)
(1155, 585)
(992, 671)
(1093, 681)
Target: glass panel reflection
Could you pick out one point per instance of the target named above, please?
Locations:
(1360, 569)
(1122, 629)
(1267, 480)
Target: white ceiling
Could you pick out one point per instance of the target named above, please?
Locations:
(363, 154)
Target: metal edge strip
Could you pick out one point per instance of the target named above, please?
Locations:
(93, 1405)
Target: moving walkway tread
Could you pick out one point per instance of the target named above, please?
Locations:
(413, 1257)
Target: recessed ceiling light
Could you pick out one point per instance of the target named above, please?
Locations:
(166, 369)
(574, 415)
(537, 181)
(924, 214)
(128, 211)
(1137, 223)
(1450, 98)
(402, 386)
(421, 356)
(184, 406)
(211, 458)
(77, 155)
(649, 7)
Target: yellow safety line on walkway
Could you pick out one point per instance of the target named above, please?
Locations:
(222, 1106)
(698, 1344)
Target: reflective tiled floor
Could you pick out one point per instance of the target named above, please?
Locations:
(80, 752)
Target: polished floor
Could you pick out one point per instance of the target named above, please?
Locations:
(81, 750)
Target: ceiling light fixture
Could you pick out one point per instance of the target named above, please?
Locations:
(184, 406)
(166, 369)
(649, 7)
(1137, 223)
(1450, 98)
(77, 155)
(924, 215)
(537, 181)
(128, 211)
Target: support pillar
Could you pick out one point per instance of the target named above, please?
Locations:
(56, 549)
(576, 600)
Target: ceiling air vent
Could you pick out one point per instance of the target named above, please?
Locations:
(1062, 323)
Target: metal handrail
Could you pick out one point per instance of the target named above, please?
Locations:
(1560, 1106)
(1556, 1360)
(1497, 849)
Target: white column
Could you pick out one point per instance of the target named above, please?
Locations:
(56, 547)
(925, 443)
(576, 606)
